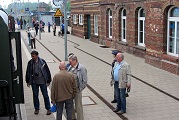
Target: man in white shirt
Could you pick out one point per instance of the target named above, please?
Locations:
(32, 37)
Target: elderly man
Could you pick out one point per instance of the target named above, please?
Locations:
(80, 73)
(122, 80)
(63, 91)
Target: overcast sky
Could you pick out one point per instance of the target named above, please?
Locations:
(5, 3)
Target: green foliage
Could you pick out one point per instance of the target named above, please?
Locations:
(15, 7)
(68, 6)
(49, 7)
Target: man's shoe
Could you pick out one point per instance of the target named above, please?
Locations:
(121, 112)
(114, 101)
(116, 110)
(36, 112)
(48, 112)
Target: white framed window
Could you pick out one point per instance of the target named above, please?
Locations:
(81, 19)
(141, 27)
(123, 25)
(173, 32)
(74, 19)
(95, 25)
(110, 23)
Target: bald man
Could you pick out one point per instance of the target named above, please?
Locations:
(63, 91)
(122, 80)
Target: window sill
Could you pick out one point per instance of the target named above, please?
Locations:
(109, 39)
(122, 43)
(170, 58)
(140, 47)
(96, 36)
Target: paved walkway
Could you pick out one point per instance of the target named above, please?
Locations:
(145, 102)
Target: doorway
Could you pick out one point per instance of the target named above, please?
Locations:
(88, 27)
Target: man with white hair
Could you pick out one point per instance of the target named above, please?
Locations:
(80, 73)
(122, 80)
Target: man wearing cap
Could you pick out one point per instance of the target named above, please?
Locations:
(114, 52)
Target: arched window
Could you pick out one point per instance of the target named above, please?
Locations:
(110, 23)
(141, 27)
(123, 25)
(173, 31)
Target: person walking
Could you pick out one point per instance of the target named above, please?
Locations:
(49, 26)
(32, 38)
(63, 91)
(28, 35)
(54, 29)
(80, 73)
(122, 80)
(36, 26)
(114, 52)
(62, 28)
(38, 75)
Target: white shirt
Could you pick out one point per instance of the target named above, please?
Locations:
(32, 34)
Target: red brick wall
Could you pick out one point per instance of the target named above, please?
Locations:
(155, 30)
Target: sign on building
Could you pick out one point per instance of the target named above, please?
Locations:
(58, 13)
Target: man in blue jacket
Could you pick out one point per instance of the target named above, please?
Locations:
(38, 75)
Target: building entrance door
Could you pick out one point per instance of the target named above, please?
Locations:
(88, 27)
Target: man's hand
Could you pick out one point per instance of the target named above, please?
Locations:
(53, 102)
(128, 85)
(48, 84)
(28, 85)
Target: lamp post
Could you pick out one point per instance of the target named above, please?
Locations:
(65, 29)
(59, 3)
(39, 20)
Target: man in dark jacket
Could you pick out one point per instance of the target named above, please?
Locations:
(36, 27)
(38, 75)
(114, 52)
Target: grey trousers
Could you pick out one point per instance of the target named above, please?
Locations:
(78, 107)
(68, 106)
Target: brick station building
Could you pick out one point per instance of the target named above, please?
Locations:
(145, 28)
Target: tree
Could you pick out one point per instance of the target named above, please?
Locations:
(20, 7)
(49, 7)
(68, 6)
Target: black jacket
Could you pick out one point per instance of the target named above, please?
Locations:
(44, 69)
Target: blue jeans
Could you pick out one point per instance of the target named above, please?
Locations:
(121, 97)
(68, 106)
(29, 40)
(35, 89)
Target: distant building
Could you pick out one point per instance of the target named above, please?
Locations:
(145, 28)
(46, 16)
(43, 7)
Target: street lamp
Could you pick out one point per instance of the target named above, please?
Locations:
(58, 3)
(65, 29)
(39, 20)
